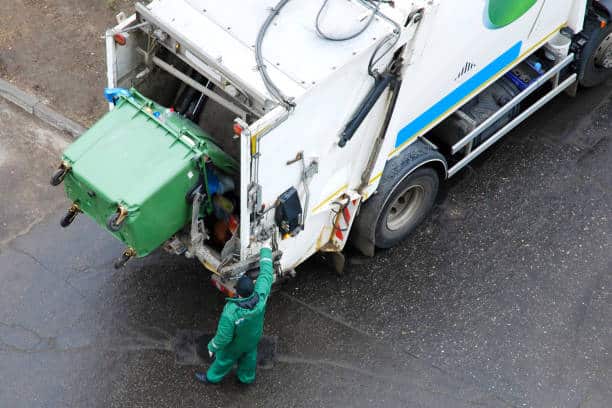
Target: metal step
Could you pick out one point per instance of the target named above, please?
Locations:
(514, 102)
(510, 126)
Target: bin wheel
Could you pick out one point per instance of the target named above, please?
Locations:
(112, 222)
(68, 218)
(124, 258)
(58, 176)
(121, 261)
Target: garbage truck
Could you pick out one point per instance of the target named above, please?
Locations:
(311, 124)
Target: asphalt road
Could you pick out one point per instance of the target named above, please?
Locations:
(502, 298)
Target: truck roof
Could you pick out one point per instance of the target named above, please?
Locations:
(222, 35)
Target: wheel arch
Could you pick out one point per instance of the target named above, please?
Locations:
(439, 165)
(586, 45)
(604, 6)
(418, 155)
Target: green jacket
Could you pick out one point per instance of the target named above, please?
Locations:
(241, 324)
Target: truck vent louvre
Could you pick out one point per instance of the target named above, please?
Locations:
(468, 67)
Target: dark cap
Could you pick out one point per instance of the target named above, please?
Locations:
(244, 286)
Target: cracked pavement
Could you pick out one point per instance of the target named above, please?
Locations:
(501, 299)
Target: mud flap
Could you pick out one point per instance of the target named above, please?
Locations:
(348, 207)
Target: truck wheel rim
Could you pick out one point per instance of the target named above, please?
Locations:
(404, 208)
(603, 55)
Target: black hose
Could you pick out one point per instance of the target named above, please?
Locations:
(348, 37)
(287, 102)
(261, 66)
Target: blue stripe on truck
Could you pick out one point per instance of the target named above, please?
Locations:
(456, 97)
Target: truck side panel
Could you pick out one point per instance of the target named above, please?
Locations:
(314, 128)
(479, 55)
(437, 80)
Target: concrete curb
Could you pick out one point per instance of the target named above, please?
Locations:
(34, 106)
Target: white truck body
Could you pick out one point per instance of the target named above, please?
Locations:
(450, 54)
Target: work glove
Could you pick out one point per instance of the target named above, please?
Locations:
(267, 244)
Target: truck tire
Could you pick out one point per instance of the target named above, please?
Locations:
(595, 65)
(407, 202)
(416, 171)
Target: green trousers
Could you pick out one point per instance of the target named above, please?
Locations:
(224, 362)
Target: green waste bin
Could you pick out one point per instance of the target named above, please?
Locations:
(132, 171)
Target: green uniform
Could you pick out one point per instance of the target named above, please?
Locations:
(241, 327)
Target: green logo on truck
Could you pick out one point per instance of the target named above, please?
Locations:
(501, 13)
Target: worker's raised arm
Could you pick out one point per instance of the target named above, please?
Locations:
(266, 274)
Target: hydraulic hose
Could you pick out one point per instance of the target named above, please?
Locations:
(329, 37)
(390, 40)
(261, 66)
(381, 84)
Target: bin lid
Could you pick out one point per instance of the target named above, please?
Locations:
(130, 152)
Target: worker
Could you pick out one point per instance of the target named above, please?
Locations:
(241, 327)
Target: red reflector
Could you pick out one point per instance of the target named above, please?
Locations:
(347, 215)
(120, 39)
(237, 129)
(339, 235)
(227, 292)
(603, 24)
(233, 224)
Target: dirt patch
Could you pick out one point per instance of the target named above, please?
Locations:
(55, 49)
(29, 153)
